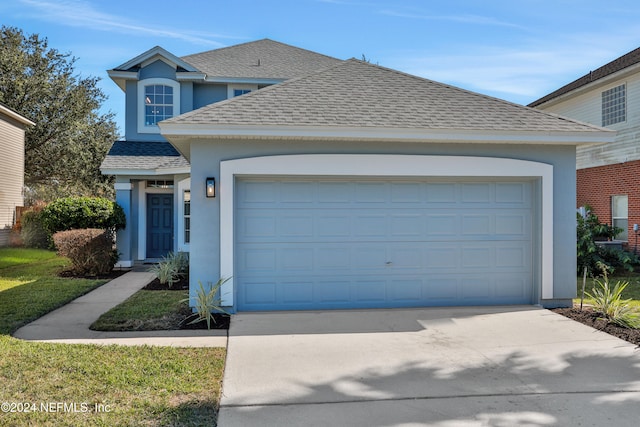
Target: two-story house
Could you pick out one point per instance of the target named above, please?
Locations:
(152, 178)
(342, 184)
(608, 176)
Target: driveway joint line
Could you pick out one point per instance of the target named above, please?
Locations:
(461, 396)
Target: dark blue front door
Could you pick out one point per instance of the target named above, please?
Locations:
(159, 225)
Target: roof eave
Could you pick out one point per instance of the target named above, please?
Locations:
(177, 131)
(145, 172)
(15, 116)
(603, 81)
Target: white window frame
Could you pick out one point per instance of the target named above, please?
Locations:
(142, 127)
(624, 236)
(240, 86)
(184, 185)
(611, 113)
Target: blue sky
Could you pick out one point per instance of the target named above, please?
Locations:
(514, 50)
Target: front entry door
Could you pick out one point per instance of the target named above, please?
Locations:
(159, 225)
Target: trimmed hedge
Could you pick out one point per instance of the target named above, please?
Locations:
(90, 250)
(71, 213)
(32, 230)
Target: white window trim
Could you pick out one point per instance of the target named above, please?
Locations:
(381, 165)
(626, 94)
(613, 217)
(142, 128)
(183, 186)
(241, 86)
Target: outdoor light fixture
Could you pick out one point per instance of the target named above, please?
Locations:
(211, 187)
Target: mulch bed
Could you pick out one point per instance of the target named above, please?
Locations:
(184, 317)
(590, 318)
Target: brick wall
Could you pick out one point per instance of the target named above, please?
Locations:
(595, 186)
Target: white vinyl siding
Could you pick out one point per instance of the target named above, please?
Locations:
(11, 174)
(587, 107)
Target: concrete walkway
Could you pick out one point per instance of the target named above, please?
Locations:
(444, 367)
(70, 323)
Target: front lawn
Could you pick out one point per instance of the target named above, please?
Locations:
(70, 385)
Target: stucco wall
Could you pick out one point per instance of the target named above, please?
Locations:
(206, 157)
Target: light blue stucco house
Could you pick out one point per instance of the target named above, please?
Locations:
(334, 184)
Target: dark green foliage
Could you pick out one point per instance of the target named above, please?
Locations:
(64, 149)
(595, 257)
(33, 232)
(82, 212)
(90, 250)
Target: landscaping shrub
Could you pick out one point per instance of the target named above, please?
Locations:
(33, 232)
(90, 250)
(594, 257)
(171, 268)
(608, 302)
(71, 213)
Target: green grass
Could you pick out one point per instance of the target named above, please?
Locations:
(144, 310)
(632, 291)
(152, 386)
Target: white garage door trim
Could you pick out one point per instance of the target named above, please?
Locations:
(380, 165)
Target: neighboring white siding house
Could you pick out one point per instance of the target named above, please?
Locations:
(12, 130)
(585, 104)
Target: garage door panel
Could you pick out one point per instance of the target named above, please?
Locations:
(328, 244)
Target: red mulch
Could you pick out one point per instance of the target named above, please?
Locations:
(590, 318)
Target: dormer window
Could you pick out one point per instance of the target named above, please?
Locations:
(159, 99)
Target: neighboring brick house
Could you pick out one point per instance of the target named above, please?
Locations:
(608, 176)
(12, 129)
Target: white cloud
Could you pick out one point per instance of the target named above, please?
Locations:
(463, 19)
(516, 75)
(79, 13)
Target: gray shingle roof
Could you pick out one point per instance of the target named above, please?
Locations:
(358, 94)
(143, 155)
(261, 59)
(612, 67)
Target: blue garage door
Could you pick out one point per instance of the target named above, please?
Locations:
(305, 244)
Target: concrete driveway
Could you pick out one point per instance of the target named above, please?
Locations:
(490, 366)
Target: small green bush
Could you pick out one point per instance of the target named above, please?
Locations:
(90, 250)
(608, 302)
(208, 302)
(171, 268)
(33, 232)
(71, 213)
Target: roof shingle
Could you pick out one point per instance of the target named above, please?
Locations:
(354, 93)
(143, 155)
(261, 59)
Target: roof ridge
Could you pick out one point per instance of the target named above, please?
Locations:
(611, 67)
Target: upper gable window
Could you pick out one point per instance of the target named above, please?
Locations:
(158, 104)
(159, 99)
(614, 105)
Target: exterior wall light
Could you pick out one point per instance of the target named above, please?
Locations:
(210, 184)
